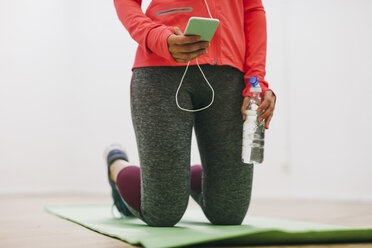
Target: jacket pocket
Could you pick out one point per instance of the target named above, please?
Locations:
(174, 11)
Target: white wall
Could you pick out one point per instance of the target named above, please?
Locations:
(64, 95)
(323, 114)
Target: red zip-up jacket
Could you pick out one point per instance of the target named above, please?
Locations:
(240, 39)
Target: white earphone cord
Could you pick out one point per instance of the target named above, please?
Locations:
(184, 74)
(206, 4)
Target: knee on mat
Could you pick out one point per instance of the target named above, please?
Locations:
(232, 215)
(165, 212)
(162, 223)
(224, 219)
(164, 219)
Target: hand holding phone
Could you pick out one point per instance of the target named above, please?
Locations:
(184, 48)
(195, 41)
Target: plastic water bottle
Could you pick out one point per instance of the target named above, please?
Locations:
(253, 130)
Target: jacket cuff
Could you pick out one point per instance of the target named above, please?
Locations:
(157, 42)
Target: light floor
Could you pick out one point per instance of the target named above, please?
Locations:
(24, 223)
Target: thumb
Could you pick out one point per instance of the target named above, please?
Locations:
(177, 31)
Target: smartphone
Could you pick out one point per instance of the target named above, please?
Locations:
(205, 27)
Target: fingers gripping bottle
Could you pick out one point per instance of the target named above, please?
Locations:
(253, 130)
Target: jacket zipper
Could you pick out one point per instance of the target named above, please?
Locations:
(216, 42)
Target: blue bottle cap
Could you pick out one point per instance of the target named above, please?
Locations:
(253, 80)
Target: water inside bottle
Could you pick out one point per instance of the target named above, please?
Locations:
(258, 142)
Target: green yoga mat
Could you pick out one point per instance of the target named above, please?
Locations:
(194, 228)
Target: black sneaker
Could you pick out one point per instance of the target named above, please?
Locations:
(112, 153)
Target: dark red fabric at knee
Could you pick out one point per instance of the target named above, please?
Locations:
(128, 182)
(196, 177)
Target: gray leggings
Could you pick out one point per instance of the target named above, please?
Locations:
(163, 133)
